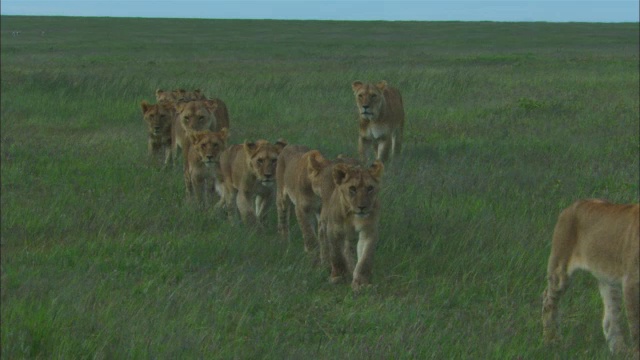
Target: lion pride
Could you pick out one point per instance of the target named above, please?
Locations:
(603, 239)
(381, 115)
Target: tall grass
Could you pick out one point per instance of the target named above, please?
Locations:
(507, 123)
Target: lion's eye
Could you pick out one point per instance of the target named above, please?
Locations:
(274, 161)
(360, 96)
(352, 190)
(201, 118)
(369, 189)
(260, 161)
(215, 145)
(373, 96)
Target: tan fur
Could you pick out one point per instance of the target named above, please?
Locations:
(202, 175)
(159, 119)
(249, 177)
(179, 95)
(604, 239)
(196, 115)
(352, 212)
(381, 115)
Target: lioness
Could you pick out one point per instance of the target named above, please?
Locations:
(381, 116)
(604, 239)
(353, 211)
(249, 177)
(202, 173)
(159, 119)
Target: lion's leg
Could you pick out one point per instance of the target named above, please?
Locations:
(262, 202)
(323, 242)
(383, 147)
(188, 185)
(556, 285)
(338, 264)
(612, 297)
(167, 156)
(631, 291)
(304, 215)
(364, 267)
(245, 207)
(283, 206)
(364, 146)
(199, 190)
(230, 198)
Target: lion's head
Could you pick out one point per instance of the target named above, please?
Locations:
(358, 187)
(196, 115)
(262, 158)
(158, 117)
(209, 145)
(369, 98)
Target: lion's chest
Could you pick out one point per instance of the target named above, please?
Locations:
(375, 130)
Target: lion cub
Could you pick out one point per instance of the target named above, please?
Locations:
(353, 211)
(202, 173)
(381, 115)
(249, 178)
(159, 119)
(604, 239)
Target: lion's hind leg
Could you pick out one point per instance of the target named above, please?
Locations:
(611, 298)
(631, 292)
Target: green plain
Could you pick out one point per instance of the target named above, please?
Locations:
(506, 124)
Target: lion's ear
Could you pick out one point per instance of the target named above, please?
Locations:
(211, 105)
(198, 94)
(382, 85)
(159, 92)
(376, 170)
(249, 147)
(195, 137)
(224, 133)
(280, 144)
(356, 85)
(314, 162)
(145, 106)
(340, 173)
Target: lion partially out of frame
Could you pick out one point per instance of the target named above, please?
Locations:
(604, 239)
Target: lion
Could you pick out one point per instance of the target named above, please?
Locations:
(303, 178)
(353, 211)
(381, 115)
(197, 115)
(249, 178)
(159, 119)
(604, 239)
(202, 173)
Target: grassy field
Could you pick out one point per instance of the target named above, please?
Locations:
(507, 123)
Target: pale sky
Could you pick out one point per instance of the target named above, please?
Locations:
(426, 10)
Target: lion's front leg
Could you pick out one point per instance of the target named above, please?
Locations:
(339, 266)
(364, 267)
(262, 202)
(199, 190)
(243, 202)
(383, 148)
(364, 146)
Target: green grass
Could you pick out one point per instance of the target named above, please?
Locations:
(507, 123)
